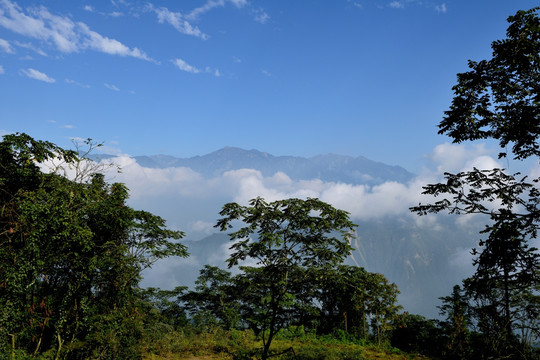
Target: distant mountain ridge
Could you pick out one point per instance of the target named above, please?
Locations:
(330, 167)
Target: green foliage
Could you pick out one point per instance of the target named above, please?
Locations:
(215, 300)
(456, 326)
(353, 299)
(416, 334)
(291, 235)
(499, 99)
(71, 253)
(244, 345)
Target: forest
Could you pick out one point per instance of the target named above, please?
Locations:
(72, 253)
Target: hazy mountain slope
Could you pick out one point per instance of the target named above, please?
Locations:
(424, 261)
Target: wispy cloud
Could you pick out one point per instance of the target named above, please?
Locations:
(441, 8)
(5, 46)
(184, 66)
(211, 4)
(212, 71)
(111, 87)
(195, 13)
(65, 34)
(68, 126)
(355, 3)
(30, 46)
(260, 16)
(177, 20)
(266, 72)
(91, 9)
(239, 3)
(95, 41)
(396, 5)
(73, 82)
(182, 22)
(37, 75)
(1, 70)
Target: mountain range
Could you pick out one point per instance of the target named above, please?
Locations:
(330, 167)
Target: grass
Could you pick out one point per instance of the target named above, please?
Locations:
(218, 344)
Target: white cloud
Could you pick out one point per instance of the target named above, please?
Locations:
(211, 4)
(65, 34)
(32, 47)
(261, 16)
(1, 70)
(204, 227)
(178, 21)
(111, 87)
(441, 8)
(95, 41)
(37, 75)
(454, 158)
(266, 72)
(396, 5)
(214, 72)
(239, 3)
(89, 8)
(356, 4)
(183, 22)
(184, 66)
(73, 82)
(192, 202)
(5, 46)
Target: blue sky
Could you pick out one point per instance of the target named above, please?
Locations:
(184, 78)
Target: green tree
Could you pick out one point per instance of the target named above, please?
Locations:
(352, 299)
(415, 333)
(282, 236)
(499, 99)
(456, 309)
(71, 253)
(215, 300)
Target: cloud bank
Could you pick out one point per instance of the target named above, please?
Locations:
(191, 202)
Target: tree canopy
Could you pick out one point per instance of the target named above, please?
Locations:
(499, 98)
(71, 256)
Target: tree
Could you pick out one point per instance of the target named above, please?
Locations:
(71, 254)
(352, 298)
(215, 299)
(415, 333)
(457, 311)
(499, 99)
(280, 237)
